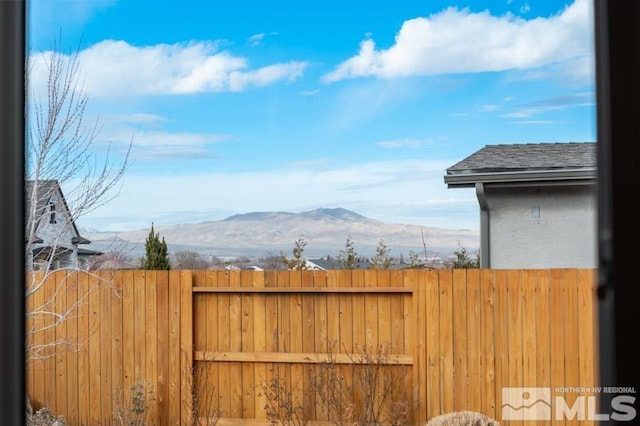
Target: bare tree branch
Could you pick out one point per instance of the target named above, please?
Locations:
(62, 150)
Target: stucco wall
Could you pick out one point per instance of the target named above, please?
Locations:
(563, 236)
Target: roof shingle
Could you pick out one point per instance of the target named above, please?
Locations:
(530, 156)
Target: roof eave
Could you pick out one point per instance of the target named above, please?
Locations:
(80, 240)
(466, 180)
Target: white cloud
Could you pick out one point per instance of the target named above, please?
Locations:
(401, 143)
(255, 39)
(264, 76)
(538, 122)
(459, 41)
(488, 108)
(136, 118)
(46, 18)
(309, 163)
(117, 68)
(574, 100)
(152, 143)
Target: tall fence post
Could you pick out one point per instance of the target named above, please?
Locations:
(186, 345)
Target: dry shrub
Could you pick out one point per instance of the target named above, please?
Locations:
(205, 406)
(282, 407)
(43, 417)
(375, 393)
(137, 401)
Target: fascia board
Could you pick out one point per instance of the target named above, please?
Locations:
(470, 179)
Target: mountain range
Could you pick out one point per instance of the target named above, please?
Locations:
(260, 234)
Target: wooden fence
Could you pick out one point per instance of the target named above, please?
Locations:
(461, 336)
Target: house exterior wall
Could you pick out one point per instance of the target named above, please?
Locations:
(59, 234)
(542, 227)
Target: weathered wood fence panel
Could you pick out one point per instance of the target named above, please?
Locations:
(461, 336)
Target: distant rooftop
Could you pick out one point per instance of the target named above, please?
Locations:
(558, 161)
(530, 156)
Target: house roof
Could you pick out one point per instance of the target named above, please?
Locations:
(46, 188)
(87, 252)
(526, 162)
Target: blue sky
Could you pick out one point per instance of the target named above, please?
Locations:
(245, 106)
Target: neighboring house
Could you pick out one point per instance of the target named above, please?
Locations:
(316, 264)
(55, 240)
(538, 203)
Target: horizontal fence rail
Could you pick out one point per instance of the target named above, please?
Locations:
(213, 345)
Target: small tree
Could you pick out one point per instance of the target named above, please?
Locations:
(297, 262)
(462, 259)
(156, 253)
(414, 260)
(382, 259)
(348, 257)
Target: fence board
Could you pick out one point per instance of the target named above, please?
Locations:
(514, 331)
(151, 349)
(224, 343)
(294, 280)
(235, 334)
(163, 313)
(461, 335)
(174, 376)
(418, 284)
(247, 340)
(446, 341)
(61, 336)
(186, 345)
(106, 337)
(71, 357)
(571, 331)
(385, 320)
(460, 308)
(500, 336)
(474, 348)
(557, 306)
(487, 360)
(49, 349)
(529, 343)
(83, 351)
(432, 324)
(586, 337)
(308, 342)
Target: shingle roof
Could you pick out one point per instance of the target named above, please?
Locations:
(530, 156)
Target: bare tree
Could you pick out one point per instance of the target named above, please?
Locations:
(189, 259)
(62, 150)
(112, 259)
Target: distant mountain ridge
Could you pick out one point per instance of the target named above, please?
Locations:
(321, 213)
(258, 234)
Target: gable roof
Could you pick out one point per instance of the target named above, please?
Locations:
(525, 162)
(46, 189)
